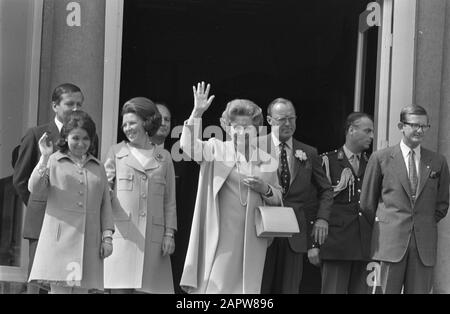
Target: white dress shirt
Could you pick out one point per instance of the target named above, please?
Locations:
(59, 124)
(405, 152)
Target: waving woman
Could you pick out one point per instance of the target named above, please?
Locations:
(224, 253)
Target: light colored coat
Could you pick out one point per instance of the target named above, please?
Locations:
(386, 200)
(144, 206)
(78, 211)
(216, 162)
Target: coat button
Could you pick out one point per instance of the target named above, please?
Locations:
(80, 171)
(80, 204)
(81, 192)
(81, 182)
(142, 214)
(360, 213)
(144, 178)
(359, 190)
(143, 195)
(359, 179)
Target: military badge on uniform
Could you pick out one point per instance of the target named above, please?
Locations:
(340, 155)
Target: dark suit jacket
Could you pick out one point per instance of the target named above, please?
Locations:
(27, 160)
(310, 193)
(387, 202)
(349, 231)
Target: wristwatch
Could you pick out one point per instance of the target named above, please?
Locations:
(269, 192)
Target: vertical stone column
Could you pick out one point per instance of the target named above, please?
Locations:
(442, 270)
(73, 52)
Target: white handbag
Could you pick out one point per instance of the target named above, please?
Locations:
(275, 221)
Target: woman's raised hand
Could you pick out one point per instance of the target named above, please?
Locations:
(45, 145)
(201, 100)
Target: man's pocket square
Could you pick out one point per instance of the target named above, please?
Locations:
(434, 174)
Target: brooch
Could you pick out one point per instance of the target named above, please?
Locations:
(159, 157)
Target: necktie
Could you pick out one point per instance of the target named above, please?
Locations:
(413, 179)
(285, 176)
(354, 161)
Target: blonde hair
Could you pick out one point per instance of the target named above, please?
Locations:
(241, 107)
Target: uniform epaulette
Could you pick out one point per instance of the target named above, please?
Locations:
(331, 152)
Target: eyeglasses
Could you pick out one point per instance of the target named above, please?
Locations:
(285, 119)
(416, 126)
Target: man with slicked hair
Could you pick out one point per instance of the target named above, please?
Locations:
(345, 253)
(404, 195)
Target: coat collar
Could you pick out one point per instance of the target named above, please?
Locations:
(222, 168)
(124, 152)
(59, 155)
(345, 163)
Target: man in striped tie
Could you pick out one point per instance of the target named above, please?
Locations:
(405, 194)
(306, 189)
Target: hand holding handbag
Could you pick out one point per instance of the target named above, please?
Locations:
(275, 221)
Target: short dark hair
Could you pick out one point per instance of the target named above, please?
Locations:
(145, 109)
(160, 103)
(276, 101)
(353, 117)
(412, 110)
(62, 89)
(74, 120)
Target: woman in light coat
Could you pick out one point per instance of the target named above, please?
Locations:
(142, 179)
(77, 227)
(224, 254)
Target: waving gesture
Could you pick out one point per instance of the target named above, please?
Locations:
(201, 100)
(45, 145)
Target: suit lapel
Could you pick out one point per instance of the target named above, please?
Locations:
(425, 169)
(296, 162)
(399, 168)
(54, 133)
(362, 165)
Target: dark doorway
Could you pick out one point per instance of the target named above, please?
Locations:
(257, 49)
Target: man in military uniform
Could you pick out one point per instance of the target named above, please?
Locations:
(346, 251)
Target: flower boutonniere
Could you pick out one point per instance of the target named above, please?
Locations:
(301, 155)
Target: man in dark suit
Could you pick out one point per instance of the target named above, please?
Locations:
(346, 251)
(65, 98)
(405, 194)
(186, 172)
(306, 189)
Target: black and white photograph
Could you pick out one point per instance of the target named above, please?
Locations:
(224, 153)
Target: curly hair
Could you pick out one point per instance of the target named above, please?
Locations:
(145, 109)
(241, 107)
(74, 120)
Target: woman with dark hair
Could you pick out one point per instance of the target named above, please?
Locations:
(77, 229)
(224, 254)
(142, 179)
